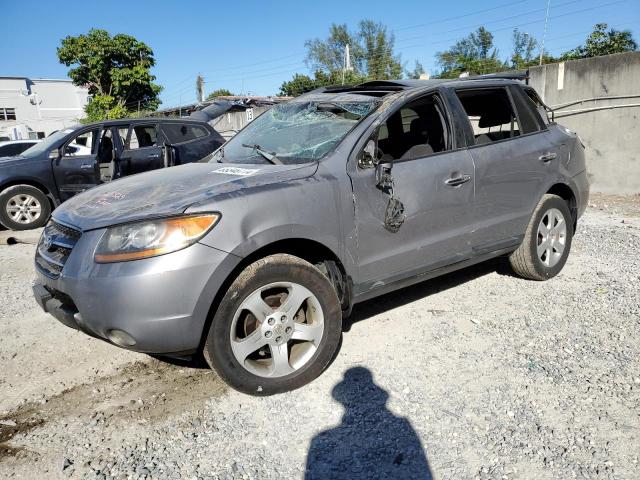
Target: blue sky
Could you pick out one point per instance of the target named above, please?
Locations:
(253, 46)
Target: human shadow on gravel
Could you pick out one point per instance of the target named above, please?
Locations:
(371, 442)
(403, 296)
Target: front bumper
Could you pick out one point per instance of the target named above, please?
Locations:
(162, 303)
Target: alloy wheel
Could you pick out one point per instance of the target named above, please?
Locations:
(24, 208)
(277, 329)
(552, 237)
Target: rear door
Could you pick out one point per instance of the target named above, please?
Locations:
(432, 181)
(513, 157)
(142, 151)
(77, 168)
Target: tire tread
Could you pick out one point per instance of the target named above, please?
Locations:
(521, 260)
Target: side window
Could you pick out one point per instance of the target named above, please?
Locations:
(142, 136)
(529, 122)
(24, 146)
(416, 130)
(178, 133)
(83, 144)
(122, 133)
(408, 115)
(490, 114)
(540, 107)
(9, 150)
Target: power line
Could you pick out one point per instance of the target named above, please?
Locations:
(457, 17)
(236, 67)
(274, 70)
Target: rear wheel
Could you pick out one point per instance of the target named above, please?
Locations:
(277, 327)
(547, 241)
(23, 207)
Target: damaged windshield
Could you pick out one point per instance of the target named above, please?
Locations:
(294, 132)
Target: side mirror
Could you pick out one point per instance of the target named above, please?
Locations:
(384, 180)
(368, 156)
(54, 154)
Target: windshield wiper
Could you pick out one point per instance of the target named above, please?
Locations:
(271, 157)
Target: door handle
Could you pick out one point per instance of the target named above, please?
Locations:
(153, 155)
(457, 181)
(86, 166)
(547, 157)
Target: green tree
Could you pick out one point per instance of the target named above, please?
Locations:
(380, 63)
(328, 55)
(371, 51)
(115, 69)
(418, 70)
(221, 92)
(300, 84)
(474, 54)
(523, 55)
(603, 42)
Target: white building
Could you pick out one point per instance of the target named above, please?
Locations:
(36, 107)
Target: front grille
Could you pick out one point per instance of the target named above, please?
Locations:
(54, 248)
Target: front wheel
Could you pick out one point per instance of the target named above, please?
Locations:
(547, 241)
(23, 207)
(277, 327)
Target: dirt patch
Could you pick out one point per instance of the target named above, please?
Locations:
(140, 392)
(626, 205)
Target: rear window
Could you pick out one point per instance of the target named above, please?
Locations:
(529, 121)
(178, 133)
(541, 108)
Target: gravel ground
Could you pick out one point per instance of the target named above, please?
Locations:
(477, 374)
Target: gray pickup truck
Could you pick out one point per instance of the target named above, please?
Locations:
(254, 256)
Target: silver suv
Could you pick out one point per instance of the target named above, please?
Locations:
(255, 255)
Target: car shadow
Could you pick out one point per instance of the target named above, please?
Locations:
(403, 296)
(371, 442)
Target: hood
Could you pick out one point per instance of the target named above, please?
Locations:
(169, 191)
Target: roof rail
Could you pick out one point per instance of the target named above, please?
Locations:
(513, 75)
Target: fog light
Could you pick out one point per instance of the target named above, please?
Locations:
(121, 338)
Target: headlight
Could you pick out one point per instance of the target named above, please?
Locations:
(134, 241)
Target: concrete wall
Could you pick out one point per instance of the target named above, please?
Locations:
(41, 105)
(611, 135)
(232, 122)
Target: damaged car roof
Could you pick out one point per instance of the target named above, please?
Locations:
(380, 88)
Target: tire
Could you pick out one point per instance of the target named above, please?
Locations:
(35, 206)
(307, 336)
(554, 243)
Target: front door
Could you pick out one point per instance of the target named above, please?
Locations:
(418, 218)
(142, 151)
(76, 169)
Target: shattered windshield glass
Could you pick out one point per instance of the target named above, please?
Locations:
(294, 132)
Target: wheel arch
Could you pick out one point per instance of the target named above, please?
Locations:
(307, 249)
(32, 183)
(565, 192)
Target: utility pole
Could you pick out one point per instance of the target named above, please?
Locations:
(346, 62)
(200, 88)
(544, 35)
